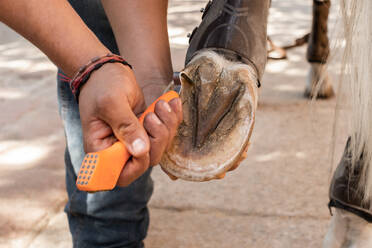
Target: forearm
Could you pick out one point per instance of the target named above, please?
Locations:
(55, 28)
(140, 29)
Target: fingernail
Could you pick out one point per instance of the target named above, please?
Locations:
(138, 146)
(155, 119)
(167, 107)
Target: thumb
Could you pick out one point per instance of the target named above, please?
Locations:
(127, 128)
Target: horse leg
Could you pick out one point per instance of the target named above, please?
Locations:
(235, 30)
(351, 225)
(351, 186)
(224, 64)
(318, 83)
(348, 230)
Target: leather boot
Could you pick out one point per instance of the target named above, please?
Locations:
(234, 28)
(344, 192)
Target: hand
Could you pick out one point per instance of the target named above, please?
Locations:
(109, 104)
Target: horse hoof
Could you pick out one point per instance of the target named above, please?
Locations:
(219, 100)
(318, 82)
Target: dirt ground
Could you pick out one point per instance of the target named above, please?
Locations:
(276, 198)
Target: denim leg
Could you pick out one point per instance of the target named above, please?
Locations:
(117, 218)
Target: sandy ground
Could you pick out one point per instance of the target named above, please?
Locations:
(276, 198)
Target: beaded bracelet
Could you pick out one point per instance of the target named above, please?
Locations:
(82, 76)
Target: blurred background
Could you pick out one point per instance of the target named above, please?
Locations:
(277, 197)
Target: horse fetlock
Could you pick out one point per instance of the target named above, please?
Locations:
(318, 83)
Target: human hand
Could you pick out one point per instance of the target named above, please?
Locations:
(109, 104)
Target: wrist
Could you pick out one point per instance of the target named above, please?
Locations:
(84, 73)
(109, 80)
(153, 81)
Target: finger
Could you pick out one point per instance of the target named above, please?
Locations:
(133, 169)
(159, 136)
(125, 126)
(95, 145)
(167, 115)
(97, 136)
(176, 105)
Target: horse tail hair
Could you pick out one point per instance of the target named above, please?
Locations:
(357, 77)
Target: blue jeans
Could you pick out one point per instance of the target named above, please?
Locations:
(117, 218)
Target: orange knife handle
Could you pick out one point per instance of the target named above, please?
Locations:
(100, 171)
